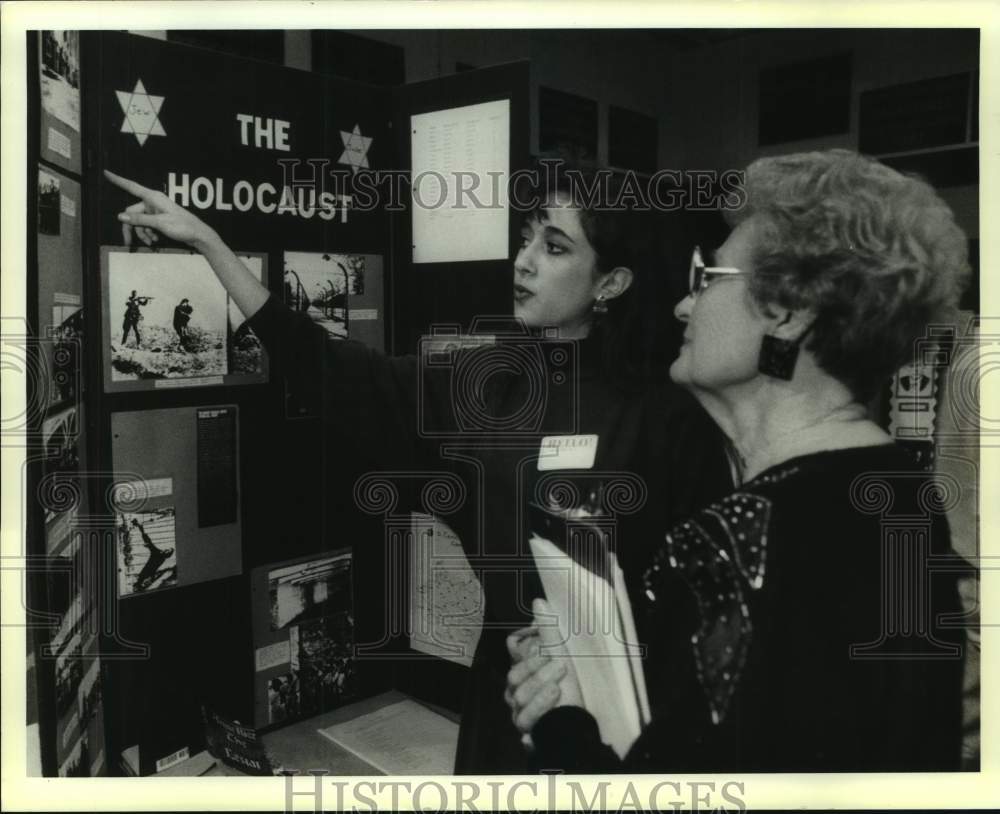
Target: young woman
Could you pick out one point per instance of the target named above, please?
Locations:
(564, 419)
(802, 621)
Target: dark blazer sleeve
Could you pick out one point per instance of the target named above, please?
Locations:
(379, 406)
(567, 739)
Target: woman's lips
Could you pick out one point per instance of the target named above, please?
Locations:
(521, 293)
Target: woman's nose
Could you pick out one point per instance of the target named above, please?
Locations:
(524, 262)
(683, 309)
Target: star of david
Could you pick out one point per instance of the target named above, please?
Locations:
(141, 111)
(355, 148)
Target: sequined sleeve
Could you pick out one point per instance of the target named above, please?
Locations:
(721, 555)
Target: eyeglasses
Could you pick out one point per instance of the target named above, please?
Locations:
(700, 275)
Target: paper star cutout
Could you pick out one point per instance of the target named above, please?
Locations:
(355, 148)
(141, 112)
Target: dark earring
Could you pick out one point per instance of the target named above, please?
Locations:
(600, 306)
(778, 357)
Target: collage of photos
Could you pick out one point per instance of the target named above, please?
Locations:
(146, 545)
(60, 76)
(176, 320)
(313, 602)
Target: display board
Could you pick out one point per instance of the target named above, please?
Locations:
(190, 424)
(176, 497)
(65, 629)
(456, 287)
(262, 154)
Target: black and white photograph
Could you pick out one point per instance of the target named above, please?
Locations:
(397, 336)
(61, 76)
(169, 317)
(49, 211)
(310, 590)
(146, 550)
(323, 662)
(321, 285)
(283, 698)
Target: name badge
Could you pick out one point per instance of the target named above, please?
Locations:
(567, 452)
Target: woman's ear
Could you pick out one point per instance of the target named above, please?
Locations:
(790, 324)
(616, 282)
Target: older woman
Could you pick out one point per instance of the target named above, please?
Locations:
(801, 621)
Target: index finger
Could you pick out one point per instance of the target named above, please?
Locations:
(129, 186)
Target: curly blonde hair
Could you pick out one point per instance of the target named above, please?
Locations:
(876, 254)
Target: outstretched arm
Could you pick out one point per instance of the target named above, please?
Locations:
(155, 214)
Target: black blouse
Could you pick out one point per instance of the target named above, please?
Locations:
(480, 416)
(808, 622)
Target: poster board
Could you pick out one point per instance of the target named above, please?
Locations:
(168, 323)
(176, 496)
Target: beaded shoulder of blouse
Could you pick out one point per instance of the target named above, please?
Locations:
(721, 553)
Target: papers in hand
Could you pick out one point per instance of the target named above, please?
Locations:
(585, 589)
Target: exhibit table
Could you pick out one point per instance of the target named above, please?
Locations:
(388, 734)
